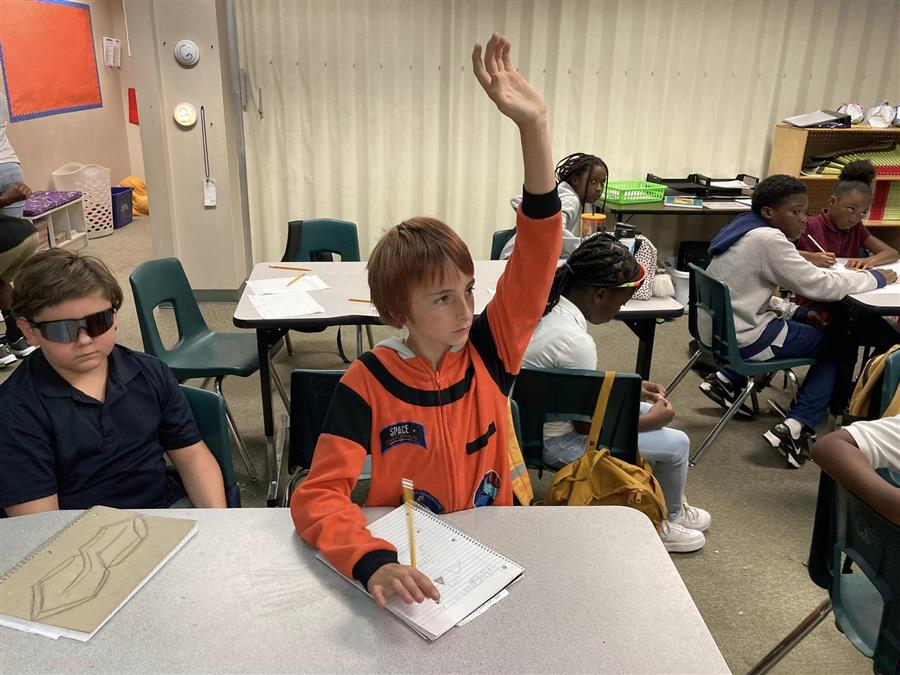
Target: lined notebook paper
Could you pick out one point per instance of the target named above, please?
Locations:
(75, 581)
(467, 573)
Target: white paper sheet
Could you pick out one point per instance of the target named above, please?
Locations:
(727, 205)
(735, 184)
(279, 285)
(285, 306)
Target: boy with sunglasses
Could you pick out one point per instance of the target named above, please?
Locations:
(87, 421)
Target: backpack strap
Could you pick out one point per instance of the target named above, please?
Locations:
(600, 409)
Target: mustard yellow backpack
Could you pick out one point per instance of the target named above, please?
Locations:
(598, 478)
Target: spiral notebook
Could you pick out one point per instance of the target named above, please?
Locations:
(75, 581)
(467, 573)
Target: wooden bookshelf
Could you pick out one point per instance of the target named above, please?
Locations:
(791, 146)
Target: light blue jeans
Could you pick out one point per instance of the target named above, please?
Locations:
(11, 172)
(666, 449)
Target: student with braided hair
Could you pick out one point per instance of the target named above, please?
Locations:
(599, 277)
(839, 228)
(580, 180)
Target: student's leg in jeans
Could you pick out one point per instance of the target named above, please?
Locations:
(667, 450)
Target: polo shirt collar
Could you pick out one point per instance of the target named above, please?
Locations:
(122, 370)
(566, 306)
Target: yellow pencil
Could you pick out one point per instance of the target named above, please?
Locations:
(296, 278)
(411, 527)
(358, 300)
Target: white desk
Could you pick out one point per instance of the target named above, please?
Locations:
(884, 301)
(599, 594)
(349, 280)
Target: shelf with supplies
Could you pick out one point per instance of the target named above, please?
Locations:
(792, 148)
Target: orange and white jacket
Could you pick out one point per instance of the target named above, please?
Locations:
(445, 429)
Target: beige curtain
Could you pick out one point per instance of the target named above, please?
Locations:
(370, 111)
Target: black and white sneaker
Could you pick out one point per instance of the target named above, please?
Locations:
(21, 348)
(794, 450)
(725, 394)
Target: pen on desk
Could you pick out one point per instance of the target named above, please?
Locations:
(287, 267)
(410, 525)
(296, 278)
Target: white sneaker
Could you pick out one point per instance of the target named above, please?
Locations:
(6, 356)
(679, 539)
(693, 518)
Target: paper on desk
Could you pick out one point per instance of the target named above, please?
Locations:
(734, 184)
(285, 306)
(745, 202)
(279, 285)
(485, 607)
(728, 205)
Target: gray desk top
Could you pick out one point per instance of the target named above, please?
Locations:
(885, 301)
(599, 594)
(348, 280)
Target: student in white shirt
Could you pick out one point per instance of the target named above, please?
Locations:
(599, 277)
(851, 455)
(580, 180)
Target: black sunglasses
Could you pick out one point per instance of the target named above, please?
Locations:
(67, 330)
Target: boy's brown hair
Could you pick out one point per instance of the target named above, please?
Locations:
(409, 254)
(51, 277)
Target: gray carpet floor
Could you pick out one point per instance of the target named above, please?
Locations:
(749, 582)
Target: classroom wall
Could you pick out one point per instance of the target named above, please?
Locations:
(209, 241)
(370, 112)
(97, 136)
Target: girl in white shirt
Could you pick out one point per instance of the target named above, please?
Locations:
(599, 277)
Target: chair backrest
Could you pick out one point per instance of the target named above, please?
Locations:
(553, 394)
(890, 380)
(867, 607)
(163, 281)
(710, 316)
(311, 394)
(307, 238)
(498, 241)
(209, 413)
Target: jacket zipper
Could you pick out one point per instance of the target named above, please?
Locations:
(446, 441)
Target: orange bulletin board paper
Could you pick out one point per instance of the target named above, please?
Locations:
(47, 56)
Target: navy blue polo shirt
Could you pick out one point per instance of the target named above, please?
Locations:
(54, 439)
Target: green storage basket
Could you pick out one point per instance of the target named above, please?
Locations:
(634, 192)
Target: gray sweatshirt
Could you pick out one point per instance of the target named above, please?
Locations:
(764, 259)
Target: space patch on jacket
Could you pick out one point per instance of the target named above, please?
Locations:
(487, 490)
(402, 432)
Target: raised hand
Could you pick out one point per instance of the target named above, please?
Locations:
(505, 85)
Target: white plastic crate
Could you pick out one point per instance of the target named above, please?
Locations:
(92, 180)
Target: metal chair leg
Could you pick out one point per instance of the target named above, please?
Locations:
(205, 383)
(340, 347)
(369, 335)
(279, 386)
(232, 427)
(698, 454)
(781, 650)
(683, 372)
(359, 341)
(789, 375)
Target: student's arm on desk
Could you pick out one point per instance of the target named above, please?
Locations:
(882, 254)
(42, 505)
(201, 475)
(839, 456)
(819, 258)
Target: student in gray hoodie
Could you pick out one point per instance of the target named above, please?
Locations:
(753, 255)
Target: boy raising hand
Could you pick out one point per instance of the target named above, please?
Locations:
(433, 407)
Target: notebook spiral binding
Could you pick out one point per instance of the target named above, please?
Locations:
(42, 546)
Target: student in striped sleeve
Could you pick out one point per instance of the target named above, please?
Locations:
(434, 407)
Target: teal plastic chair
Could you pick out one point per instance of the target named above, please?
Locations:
(556, 394)
(319, 239)
(499, 240)
(711, 324)
(891, 380)
(311, 394)
(199, 352)
(212, 420)
(848, 533)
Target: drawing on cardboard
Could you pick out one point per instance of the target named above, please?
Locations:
(81, 577)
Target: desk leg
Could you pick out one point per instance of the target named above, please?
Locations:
(645, 330)
(265, 388)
